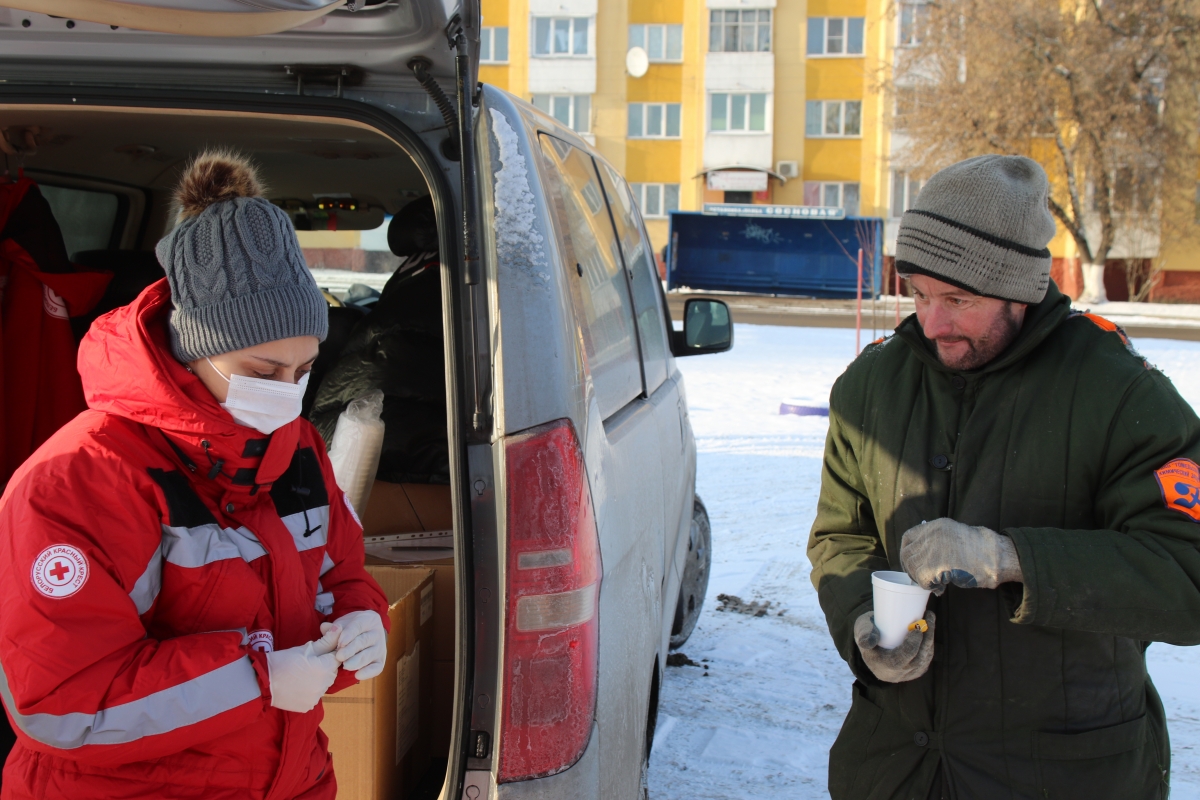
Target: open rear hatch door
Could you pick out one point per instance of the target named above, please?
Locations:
(224, 44)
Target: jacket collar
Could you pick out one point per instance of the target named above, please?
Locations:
(1040, 321)
(128, 370)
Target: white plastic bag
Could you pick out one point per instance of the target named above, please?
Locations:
(357, 443)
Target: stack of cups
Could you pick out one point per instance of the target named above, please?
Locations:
(356, 448)
(899, 602)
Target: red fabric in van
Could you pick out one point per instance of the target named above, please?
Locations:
(40, 390)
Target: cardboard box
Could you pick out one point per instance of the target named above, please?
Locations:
(378, 730)
(441, 649)
(410, 508)
(407, 508)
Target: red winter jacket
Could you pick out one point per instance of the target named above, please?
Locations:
(146, 551)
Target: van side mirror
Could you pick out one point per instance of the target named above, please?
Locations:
(707, 328)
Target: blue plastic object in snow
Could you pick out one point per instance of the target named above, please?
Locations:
(803, 411)
(774, 255)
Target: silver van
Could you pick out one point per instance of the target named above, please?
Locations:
(580, 550)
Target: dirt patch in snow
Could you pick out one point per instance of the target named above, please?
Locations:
(755, 608)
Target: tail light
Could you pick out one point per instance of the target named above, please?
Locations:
(553, 586)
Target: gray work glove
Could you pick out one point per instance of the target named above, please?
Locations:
(943, 552)
(907, 662)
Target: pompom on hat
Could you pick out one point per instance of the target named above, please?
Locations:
(238, 277)
(982, 225)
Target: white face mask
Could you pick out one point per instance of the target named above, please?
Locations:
(262, 404)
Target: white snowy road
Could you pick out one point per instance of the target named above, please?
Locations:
(755, 719)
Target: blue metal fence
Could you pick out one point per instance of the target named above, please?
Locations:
(766, 255)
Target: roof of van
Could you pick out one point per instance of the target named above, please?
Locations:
(378, 38)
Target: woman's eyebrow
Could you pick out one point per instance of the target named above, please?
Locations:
(275, 363)
(270, 361)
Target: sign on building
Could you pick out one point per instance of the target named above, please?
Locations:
(786, 212)
(737, 180)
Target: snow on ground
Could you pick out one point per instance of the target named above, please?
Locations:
(756, 718)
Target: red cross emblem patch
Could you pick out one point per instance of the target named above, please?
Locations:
(59, 571)
(1179, 482)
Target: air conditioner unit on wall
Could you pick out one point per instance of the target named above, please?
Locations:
(788, 169)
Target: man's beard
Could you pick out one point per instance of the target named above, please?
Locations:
(982, 350)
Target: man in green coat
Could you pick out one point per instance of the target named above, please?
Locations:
(1022, 461)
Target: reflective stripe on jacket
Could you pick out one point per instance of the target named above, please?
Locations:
(194, 540)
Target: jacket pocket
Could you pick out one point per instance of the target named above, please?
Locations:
(1118, 761)
(1099, 743)
(847, 756)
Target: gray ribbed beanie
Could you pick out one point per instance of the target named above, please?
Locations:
(238, 277)
(982, 225)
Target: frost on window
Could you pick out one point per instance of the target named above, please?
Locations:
(518, 243)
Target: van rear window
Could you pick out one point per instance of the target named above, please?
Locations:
(87, 218)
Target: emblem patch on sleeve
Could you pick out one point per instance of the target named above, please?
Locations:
(59, 571)
(1179, 481)
(261, 640)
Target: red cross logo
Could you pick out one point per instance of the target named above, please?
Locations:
(59, 571)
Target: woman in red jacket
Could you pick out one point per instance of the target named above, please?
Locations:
(181, 579)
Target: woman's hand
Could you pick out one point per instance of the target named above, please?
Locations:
(362, 645)
(301, 675)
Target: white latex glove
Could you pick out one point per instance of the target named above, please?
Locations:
(301, 675)
(362, 644)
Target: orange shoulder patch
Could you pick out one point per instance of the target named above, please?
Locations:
(1106, 325)
(1179, 482)
(1101, 322)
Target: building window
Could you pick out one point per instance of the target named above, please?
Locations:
(910, 27)
(739, 31)
(661, 42)
(908, 105)
(493, 45)
(905, 189)
(737, 112)
(572, 110)
(653, 120)
(832, 118)
(559, 37)
(835, 36)
(656, 200)
(836, 194)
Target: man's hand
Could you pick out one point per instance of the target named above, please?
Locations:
(907, 662)
(943, 552)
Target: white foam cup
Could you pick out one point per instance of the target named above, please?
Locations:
(899, 602)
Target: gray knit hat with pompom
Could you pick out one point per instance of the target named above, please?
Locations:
(238, 277)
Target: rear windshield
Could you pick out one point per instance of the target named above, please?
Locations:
(87, 218)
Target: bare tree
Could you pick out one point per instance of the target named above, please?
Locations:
(1102, 93)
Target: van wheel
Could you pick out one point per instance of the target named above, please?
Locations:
(695, 576)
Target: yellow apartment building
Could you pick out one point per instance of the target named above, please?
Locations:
(744, 101)
(761, 101)
(736, 101)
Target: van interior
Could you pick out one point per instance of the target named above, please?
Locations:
(108, 175)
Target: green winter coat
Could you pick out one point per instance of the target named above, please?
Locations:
(1040, 690)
